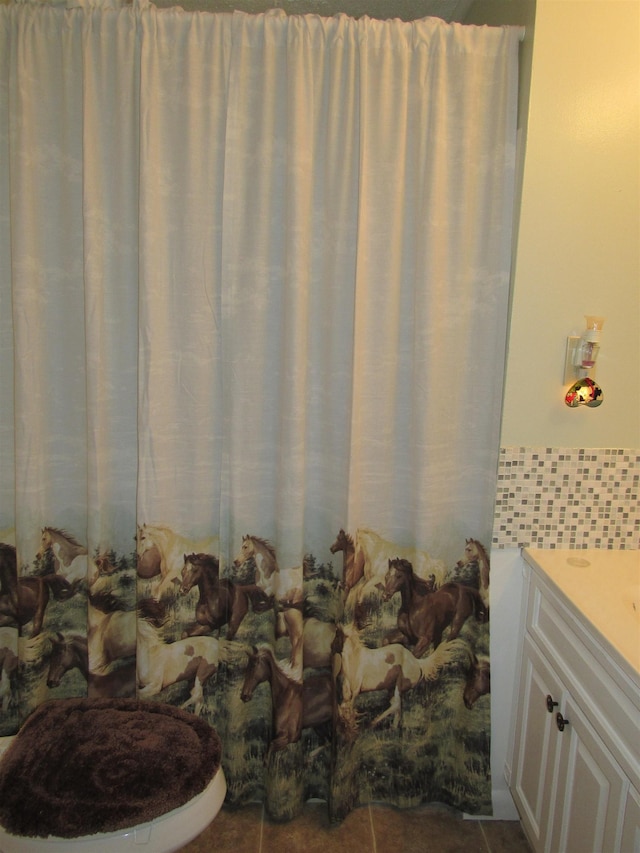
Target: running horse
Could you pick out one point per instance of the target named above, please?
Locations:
(25, 599)
(374, 552)
(161, 552)
(69, 555)
(392, 668)
(351, 571)
(296, 705)
(71, 652)
(284, 585)
(476, 555)
(426, 611)
(160, 664)
(220, 601)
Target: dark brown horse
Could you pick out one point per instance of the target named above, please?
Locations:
(71, 652)
(9, 667)
(426, 612)
(478, 681)
(8, 575)
(33, 597)
(296, 705)
(220, 601)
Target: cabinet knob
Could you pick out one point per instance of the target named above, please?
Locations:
(561, 722)
(551, 704)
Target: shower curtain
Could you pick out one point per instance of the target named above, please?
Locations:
(254, 279)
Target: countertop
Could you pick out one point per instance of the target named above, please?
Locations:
(604, 586)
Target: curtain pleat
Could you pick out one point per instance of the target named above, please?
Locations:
(254, 285)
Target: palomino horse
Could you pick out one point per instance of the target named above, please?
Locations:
(161, 664)
(112, 631)
(424, 614)
(220, 601)
(284, 585)
(71, 652)
(351, 572)
(392, 668)
(476, 554)
(296, 705)
(69, 555)
(171, 548)
(374, 553)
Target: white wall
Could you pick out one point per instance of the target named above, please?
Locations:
(579, 237)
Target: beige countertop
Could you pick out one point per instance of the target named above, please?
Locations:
(604, 586)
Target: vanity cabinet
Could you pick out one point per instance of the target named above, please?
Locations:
(574, 766)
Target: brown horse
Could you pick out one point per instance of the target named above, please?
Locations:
(33, 597)
(72, 652)
(425, 613)
(478, 681)
(351, 571)
(296, 705)
(9, 575)
(220, 601)
(9, 666)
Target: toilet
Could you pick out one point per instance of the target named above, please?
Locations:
(163, 833)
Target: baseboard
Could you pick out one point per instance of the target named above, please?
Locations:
(503, 807)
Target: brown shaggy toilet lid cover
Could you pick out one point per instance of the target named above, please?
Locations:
(82, 766)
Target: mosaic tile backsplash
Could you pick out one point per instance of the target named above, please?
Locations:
(567, 498)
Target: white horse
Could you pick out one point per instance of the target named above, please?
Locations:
(172, 547)
(284, 584)
(69, 555)
(372, 555)
(393, 668)
(161, 664)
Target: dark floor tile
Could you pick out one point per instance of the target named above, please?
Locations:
(427, 829)
(505, 836)
(312, 832)
(232, 831)
(383, 829)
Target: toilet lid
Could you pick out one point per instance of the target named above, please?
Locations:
(84, 766)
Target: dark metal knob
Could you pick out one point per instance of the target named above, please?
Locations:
(561, 722)
(551, 704)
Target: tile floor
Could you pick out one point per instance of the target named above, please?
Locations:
(370, 829)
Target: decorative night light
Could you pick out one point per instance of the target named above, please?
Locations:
(580, 360)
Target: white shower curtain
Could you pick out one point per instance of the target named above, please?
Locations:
(254, 278)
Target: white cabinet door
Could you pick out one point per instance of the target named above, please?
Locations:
(591, 788)
(535, 742)
(631, 824)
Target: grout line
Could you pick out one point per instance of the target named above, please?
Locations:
(484, 835)
(374, 848)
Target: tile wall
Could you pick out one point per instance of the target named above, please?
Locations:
(567, 498)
